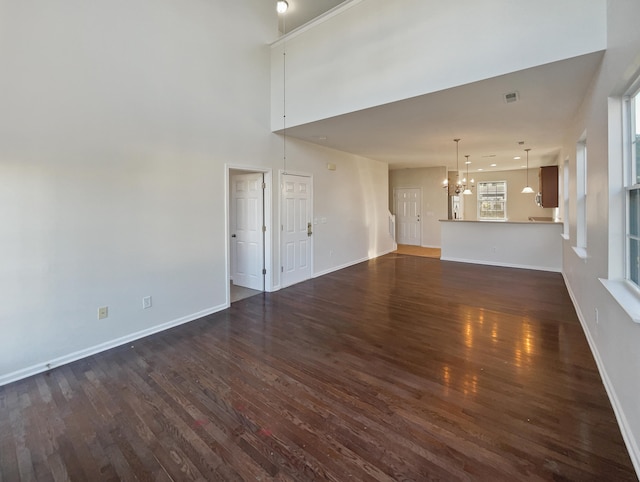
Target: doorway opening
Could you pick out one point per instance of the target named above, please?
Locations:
(249, 232)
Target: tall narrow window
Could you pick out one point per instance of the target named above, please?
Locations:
(565, 199)
(633, 190)
(492, 201)
(624, 204)
(581, 194)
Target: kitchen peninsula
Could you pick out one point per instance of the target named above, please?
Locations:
(517, 244)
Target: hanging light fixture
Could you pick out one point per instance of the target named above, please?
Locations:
(282, 6)
(445, 183)
(467, 189)
(527, 189)
(458, 188)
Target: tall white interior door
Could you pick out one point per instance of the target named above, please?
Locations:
(297, 228)
(407, 206)
(247, 235)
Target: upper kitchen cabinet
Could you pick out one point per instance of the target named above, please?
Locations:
(548, 186)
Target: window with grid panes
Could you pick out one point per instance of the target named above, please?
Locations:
(492, 200)
(633, 190)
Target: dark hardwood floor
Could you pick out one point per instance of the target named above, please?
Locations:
(402, 368)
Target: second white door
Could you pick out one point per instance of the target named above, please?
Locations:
(407, 206)
(297, 228)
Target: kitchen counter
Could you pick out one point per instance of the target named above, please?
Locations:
(531, 221)
(517, 244)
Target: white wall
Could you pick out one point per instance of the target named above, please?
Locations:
(117, 121)
(615, 338)
(379, 51)
(434, 198)
(350, 205)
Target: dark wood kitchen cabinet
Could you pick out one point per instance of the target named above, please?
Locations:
(549, 186)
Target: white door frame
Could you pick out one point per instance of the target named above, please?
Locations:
(281, 173)
(268, 222)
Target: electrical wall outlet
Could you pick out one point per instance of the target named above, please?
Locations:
(146, 302)
(103, 312)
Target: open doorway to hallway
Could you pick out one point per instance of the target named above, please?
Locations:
(238, 293)
(249, 228)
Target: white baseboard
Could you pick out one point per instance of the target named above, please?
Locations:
(395, 248)
(351, 263)
(627, 435)
(71, 357)
(338, 268)
(504, 265)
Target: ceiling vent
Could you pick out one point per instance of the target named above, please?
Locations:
(511, 97)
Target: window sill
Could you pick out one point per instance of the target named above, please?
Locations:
(627, 296)
(581, 252)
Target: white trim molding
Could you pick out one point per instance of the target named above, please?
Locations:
(71, 357)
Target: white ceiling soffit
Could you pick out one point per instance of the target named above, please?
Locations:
(301, 12)
(419, 132)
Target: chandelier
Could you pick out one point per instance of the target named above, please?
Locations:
(461, 186)
(467, 187)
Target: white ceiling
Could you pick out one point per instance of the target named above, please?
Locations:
(419, 132)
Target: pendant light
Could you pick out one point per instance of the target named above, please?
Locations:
(281, 7)
(467, 190)
(527, 189)
(458, 188)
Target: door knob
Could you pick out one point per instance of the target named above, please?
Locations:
(309, 232)
(233, 235)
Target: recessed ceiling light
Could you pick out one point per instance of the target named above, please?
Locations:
(467, 162)
(524, 166)
(517, 157)
(493, 165)
(480, 169)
